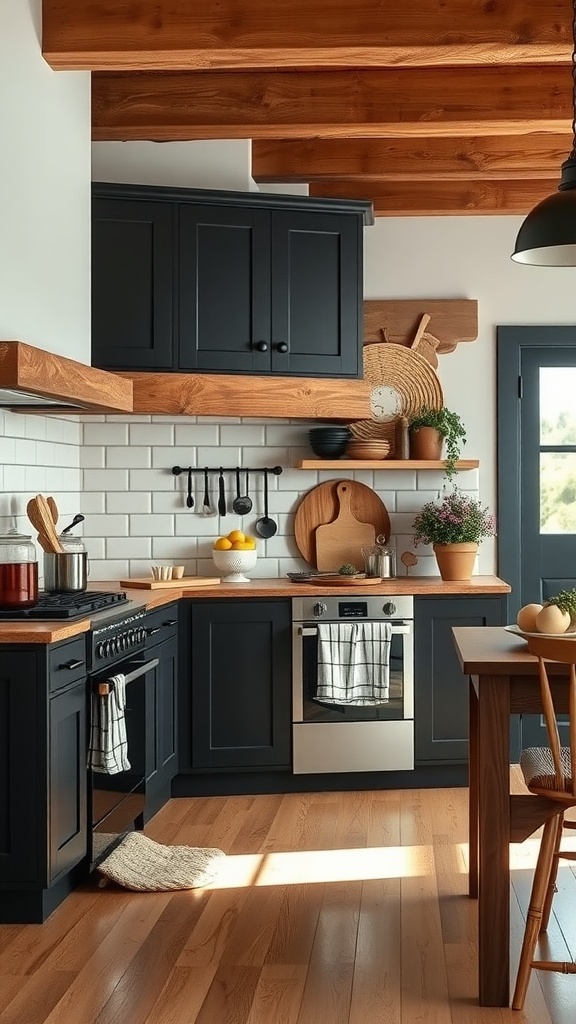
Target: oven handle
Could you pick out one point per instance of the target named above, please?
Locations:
(104, 688)
(403, 627)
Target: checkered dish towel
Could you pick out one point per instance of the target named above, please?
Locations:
(108, 751)
(354, 662)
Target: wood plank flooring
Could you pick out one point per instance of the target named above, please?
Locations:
(331, 908)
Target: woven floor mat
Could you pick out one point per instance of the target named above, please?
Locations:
(137, 862)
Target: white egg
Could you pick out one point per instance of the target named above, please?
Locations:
(526, 617)
(552, 620)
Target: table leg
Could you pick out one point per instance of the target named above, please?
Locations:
(472, 791)
(494, 840)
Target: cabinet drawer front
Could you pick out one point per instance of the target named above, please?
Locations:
(67, 663)
(161, 624)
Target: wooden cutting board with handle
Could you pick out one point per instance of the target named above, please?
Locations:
(343, 539)
(321, 505)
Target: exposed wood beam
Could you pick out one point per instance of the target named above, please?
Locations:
(424, 199)
(436, 159)
(185, 35)
(405, 103)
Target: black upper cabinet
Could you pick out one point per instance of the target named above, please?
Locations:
(221, 282)
(132, 284)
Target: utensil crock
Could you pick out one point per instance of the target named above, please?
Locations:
(66, 572)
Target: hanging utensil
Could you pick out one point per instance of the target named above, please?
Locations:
(77, 519)
(221, 494)
(206, 507)
(53, 509)
(265, 526)
(242, 503)
(189, 497)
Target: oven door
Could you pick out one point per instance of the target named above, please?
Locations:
(308, 708)
(117, 801)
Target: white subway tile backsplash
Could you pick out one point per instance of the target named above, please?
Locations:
(151, 433)
(151, 526)
(192, 435)
(128, 547)
(128, 501)
(117, 471)
(131, 457)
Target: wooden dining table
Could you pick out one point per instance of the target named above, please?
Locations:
(503, 681)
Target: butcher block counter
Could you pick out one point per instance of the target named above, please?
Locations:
(32, 631)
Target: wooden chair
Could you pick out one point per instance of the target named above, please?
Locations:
(550, 772)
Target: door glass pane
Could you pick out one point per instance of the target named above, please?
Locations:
(557, 492)
(558, 405)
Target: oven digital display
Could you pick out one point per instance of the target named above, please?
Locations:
(353, 609)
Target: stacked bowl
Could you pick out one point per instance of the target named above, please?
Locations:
(372, 448)
(329, 442)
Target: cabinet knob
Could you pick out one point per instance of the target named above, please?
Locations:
(283, 347)
(261, 346)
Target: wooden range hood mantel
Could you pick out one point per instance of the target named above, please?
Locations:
(32, 379)
(204, 394)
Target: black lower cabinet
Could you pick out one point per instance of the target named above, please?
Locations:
(237, 686)
(440, 688)
(161, 701)
(43, 777)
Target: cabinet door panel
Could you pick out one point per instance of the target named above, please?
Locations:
(240, 685)
(167, 722)
(68, 825)
(316, 293)
(224, 282)
(22, 769)
(132, 284)
(441, 690)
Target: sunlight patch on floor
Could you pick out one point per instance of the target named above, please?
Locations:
(310, 866)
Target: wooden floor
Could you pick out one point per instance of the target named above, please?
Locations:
(333, 908)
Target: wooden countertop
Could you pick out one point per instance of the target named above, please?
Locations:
(31, 631)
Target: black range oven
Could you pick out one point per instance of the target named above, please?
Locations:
(117, 801)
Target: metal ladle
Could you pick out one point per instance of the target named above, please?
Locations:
(265, 526)
(77, 519)
(242, 504)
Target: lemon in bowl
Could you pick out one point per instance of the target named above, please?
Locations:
(234, 556)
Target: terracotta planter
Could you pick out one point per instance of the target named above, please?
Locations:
(426, 443)
(455, 561)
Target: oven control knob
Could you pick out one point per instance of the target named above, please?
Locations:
(389, 608)
(124, 641)
(115, 646)
(100, 650)
(320, 609)
(107, 648)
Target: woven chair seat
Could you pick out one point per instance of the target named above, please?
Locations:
(538, 768)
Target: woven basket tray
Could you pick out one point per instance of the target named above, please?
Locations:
(404, 371)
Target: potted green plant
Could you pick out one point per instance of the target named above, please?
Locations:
(454, 527)
(430, 430)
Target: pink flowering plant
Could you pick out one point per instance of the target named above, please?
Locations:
(456, 519)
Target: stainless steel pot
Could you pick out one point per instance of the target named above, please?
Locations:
(66, 572)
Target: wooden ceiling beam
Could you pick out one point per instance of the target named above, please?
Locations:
(435, 159)
(436, 198)
(184, 35)
(409, 103)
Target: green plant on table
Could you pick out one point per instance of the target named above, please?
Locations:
(565, 600)
(449, 426)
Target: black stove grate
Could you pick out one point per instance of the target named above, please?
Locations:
(68, 606)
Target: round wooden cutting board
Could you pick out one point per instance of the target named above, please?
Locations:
(321, 506)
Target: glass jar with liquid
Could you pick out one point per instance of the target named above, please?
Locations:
(18, 572)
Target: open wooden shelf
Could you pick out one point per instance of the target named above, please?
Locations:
(345, 464)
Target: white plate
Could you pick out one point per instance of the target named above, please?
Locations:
(570, 635)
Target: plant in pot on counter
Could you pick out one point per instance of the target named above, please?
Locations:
(430, 430)
(556, 616)
(454, 526)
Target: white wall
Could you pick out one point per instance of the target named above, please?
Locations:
(44, 192)
(45, 251)
(468, 257)
(217, 163)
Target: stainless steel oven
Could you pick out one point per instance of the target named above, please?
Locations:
(117, 800)
(335, 738)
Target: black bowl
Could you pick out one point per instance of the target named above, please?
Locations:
(325, 450)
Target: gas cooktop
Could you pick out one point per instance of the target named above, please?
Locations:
(68, 606)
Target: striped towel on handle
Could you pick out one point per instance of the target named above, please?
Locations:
(108, 750)
(354, 663)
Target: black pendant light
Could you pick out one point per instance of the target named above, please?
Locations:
(547, 237)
